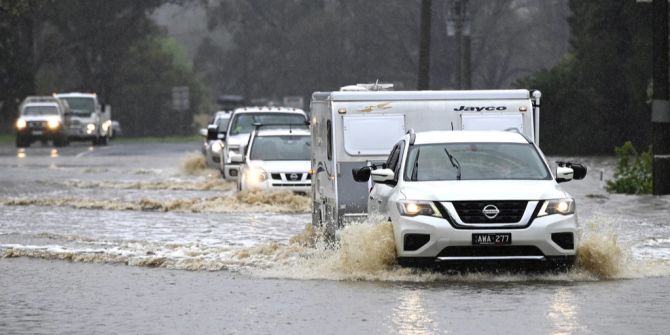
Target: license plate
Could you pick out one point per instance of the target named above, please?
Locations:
(37, 132)
(492, 239)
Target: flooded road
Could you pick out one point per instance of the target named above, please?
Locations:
(129, 239)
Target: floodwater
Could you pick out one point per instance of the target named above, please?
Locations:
(137, 238)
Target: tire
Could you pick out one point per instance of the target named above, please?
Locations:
(104, 140)
(22, 142)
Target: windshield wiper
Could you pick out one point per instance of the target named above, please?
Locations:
(454, 163)
(416, 165)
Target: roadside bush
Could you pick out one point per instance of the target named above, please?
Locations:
(633, 171)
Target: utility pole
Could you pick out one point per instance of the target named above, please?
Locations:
(424, 46)
(458, 26)
(660, 108)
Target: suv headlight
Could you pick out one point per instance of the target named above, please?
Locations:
(20, 124)
(255, 175)
(414, 208)
(557, 206)
(217, 146)
(53, 123)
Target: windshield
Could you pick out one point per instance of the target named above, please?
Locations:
(281, 148)
(474, 161)
(222, 124)
(243, 123)
(40, 110)
(81, 106)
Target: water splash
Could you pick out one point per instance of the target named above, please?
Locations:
(366, 251)
(194, 165)
(210, 184)
(246, 201)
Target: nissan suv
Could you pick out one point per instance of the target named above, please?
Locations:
(475, 197)
(277, 158)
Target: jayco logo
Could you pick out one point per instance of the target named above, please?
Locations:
(479, 108)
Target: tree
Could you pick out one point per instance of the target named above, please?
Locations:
(596, 98)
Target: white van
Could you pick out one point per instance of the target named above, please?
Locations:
(355, 128)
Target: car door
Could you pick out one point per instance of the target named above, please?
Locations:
(381, 192)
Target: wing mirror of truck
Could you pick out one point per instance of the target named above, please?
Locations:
(361, 175)
(567, 171)
(384, 176)
(212, 132)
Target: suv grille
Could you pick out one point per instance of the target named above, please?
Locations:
(289, 176)
(472, 211)
(37, 124)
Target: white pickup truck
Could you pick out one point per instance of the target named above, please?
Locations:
(88, 120)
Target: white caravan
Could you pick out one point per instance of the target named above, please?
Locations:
(358, 127)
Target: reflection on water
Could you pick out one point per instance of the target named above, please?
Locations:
(54, 153)
(562, 312)
(21, 153)
(410, 317)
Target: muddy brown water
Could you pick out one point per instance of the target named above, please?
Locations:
(92, 241)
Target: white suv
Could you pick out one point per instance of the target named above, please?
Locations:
(277, 158)
(458, 197)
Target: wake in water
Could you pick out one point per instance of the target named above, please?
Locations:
(365, 251)
(210, 184)
(246, 201)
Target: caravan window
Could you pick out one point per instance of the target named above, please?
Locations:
(372, 135)
(329, 131)
(492, 122)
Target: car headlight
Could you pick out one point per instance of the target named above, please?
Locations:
(217, 147)
(255, 175)
(90, 127)
(557, 206)
(20, 124)
(414, 208)
(53, 123)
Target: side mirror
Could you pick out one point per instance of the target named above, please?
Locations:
(235, 158)
(567, 171)
(579, 171)
(212, 132)
(361, 175)
(383, 176)
(564, 174)
(203, 132)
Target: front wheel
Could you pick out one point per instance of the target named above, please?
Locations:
(22, 142)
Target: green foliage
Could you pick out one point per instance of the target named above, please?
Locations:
(597, 96)
(633, 171)
(112, 48)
